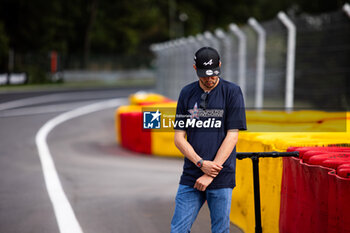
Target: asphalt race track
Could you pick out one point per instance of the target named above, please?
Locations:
(110, 190)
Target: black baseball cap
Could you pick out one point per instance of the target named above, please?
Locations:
(207, 61)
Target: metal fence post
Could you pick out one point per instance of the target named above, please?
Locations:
(213, 42)
(160, 67)
(167, 68)
(190, 52)
(171, 67)
(177, 68)
(200, 40)
(225, 49)
(346, 9)
(260, 69)
(181, 79)
(289, 99)
(242, 56)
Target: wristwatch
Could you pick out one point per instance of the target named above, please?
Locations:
(199, 164)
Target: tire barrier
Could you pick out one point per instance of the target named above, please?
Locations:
(306, 152)
(308, 155)
(283, 182)
(344, 170)
(326, 159)
(314, 196)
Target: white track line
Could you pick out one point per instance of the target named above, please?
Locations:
(66, 219)
(53, 97)
(52, 108)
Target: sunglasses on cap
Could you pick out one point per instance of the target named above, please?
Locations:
(204, 100)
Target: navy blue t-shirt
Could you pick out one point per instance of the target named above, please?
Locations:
(206, 128)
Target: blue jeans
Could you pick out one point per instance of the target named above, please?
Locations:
(190, 200)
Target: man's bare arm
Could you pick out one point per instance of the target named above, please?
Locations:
(185, 147)
(227, 146)
(209, 167)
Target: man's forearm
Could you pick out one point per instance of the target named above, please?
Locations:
(226, 147)
(186, 149)
(211, 168)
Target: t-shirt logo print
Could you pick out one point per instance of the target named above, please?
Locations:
(210, 62)
(194, 112)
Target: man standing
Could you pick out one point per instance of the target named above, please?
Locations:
(210, 112)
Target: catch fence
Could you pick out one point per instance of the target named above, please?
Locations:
(289, 62)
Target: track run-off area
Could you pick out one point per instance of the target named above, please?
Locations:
(62, 170)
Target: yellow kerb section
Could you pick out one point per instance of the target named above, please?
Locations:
(162, 142)
(140, 97)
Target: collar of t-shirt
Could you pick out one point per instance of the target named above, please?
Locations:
(219, 80)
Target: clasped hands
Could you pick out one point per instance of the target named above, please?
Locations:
(211, 170)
